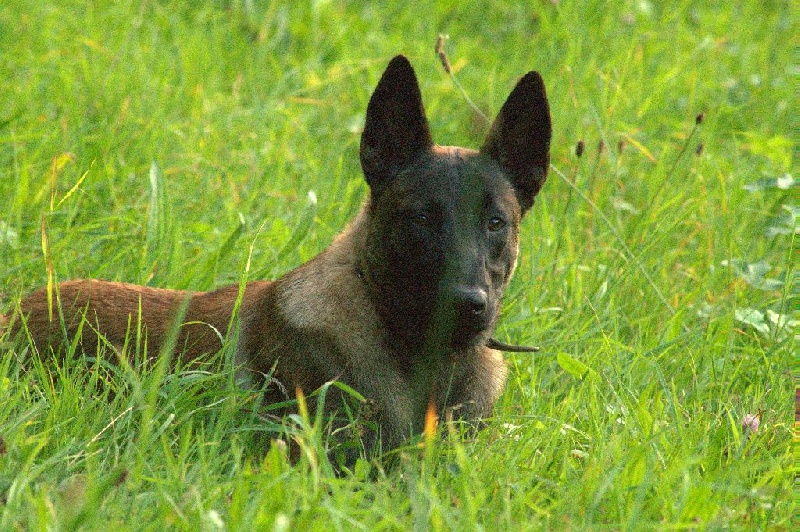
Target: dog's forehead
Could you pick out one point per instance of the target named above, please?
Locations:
(453, 177)
(462, 167)
(454, 152)
(457, 158)
(466, 160)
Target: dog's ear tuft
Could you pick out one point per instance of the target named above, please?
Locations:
(520, 138)
(396, 129)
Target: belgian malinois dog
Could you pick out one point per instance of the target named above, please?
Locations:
(400, 307)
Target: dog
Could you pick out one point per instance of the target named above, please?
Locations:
(401, 306)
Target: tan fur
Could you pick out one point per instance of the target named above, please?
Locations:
(325, 296)
(113, 309)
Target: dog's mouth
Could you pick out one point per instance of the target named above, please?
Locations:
(471, 329)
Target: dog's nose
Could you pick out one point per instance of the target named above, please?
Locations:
(471, 301)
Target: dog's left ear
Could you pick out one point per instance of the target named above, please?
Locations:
(520, 138)
(396, 129)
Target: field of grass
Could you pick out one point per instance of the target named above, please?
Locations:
(180, 144)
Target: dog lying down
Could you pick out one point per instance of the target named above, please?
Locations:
(400, 307)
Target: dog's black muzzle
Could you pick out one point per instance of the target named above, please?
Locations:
(473, 312)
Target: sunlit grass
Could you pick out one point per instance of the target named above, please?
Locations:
(160, 143)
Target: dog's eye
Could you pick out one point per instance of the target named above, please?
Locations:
(420, 218)
(496, 223)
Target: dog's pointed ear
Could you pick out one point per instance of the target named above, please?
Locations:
(396, 129)
(520, 138)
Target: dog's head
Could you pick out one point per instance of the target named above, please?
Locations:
(443, 233)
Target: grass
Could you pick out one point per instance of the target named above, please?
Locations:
(178, 144)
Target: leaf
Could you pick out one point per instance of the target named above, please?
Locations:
(573, 366)
(8, 235)
(755, 274)
(302, 228)
(777, 148)
(639, 147)
(348, 390)
(784, 182)
(75, 187)
(785, 224)
(793, 210)
(622, 205)
(211, 267)
(159, 237)
(752, 317)
(781, 320)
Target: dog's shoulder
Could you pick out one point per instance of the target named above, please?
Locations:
(326, 299)
(328, 289)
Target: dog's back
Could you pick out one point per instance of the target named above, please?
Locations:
(129, 315)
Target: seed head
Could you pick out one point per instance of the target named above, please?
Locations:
(442, 54)
(579, 148)
(700, 148)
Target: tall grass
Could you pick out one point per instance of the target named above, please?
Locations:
(188, 144)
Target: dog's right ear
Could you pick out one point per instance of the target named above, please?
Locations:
(396, 129)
